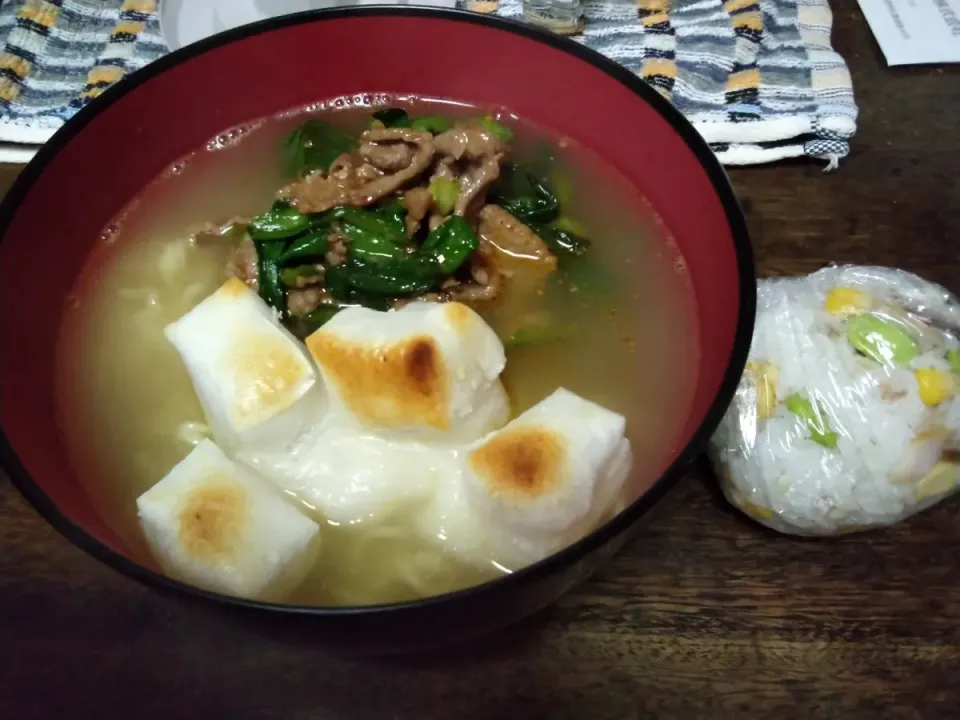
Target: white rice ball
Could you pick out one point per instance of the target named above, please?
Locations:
(847, 417)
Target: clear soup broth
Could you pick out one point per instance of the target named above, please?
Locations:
(127, 402)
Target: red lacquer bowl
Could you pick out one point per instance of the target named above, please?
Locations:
(107, 153)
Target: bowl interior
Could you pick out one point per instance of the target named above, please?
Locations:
(113, 149)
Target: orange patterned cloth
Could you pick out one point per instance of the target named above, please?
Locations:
(59, 54)
(758, 78)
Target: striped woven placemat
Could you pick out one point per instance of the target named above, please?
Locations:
(758, 78)
(59, 54)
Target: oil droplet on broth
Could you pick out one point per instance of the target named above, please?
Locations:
(232, 137)
(108, 236)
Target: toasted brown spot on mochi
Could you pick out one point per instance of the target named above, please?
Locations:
(459, 316)
(234, 287)
(268, 374)
(400, 385)
(524, 461)
(422, 364)
(212, 520)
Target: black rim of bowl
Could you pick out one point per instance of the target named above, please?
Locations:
(564, 558)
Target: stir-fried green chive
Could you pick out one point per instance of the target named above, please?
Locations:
(290, 275)
(369, 245)
(813, 418)
(310, 246)
(345, 295)
(881, 341)
(386, 221)
(565, 223)
(562, 187)
(392, 117)
(381, 265)
(397, 117)
(560, 241)
(281, 221)
(530, 336)
(268, 274)
(450, 245)
(321, 315)
(444, 192)
(442, 253)
(393, 216)
(286, 239)
(314, 145)
(496, 128)
(435, 124)
(408, 276)
(523, 195)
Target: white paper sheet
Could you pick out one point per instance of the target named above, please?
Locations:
(915, 32)
(15, 154)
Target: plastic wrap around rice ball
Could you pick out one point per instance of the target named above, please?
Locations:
(847, 417)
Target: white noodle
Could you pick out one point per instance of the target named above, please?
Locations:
(193, 293)
(172, 260)
(193, 432)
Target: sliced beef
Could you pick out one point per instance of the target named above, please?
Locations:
(352, 165)
(242, 262)
(336, 250)
(474, 182)
(506, 237)
(343, 167)
(387, 156)
(421, 143)
(511, 257)
(317, 193)
(418, 202)
(484, 285)
(443, 169)
(300, 302)
(485, 276)
(437, 297)
(474, 292)
(472, 142)
(473, 155)
(367, 172)
(482, 270)
(357, 180)
(208, 232)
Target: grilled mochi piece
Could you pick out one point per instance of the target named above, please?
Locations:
(353, 476)
(533, 487)
(215, 524)
(428, 372)
(255, 381)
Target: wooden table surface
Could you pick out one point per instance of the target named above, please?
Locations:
(705, 615)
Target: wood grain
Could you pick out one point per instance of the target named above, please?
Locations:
(705, 615)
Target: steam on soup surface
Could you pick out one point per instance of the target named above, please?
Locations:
(344, 207)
